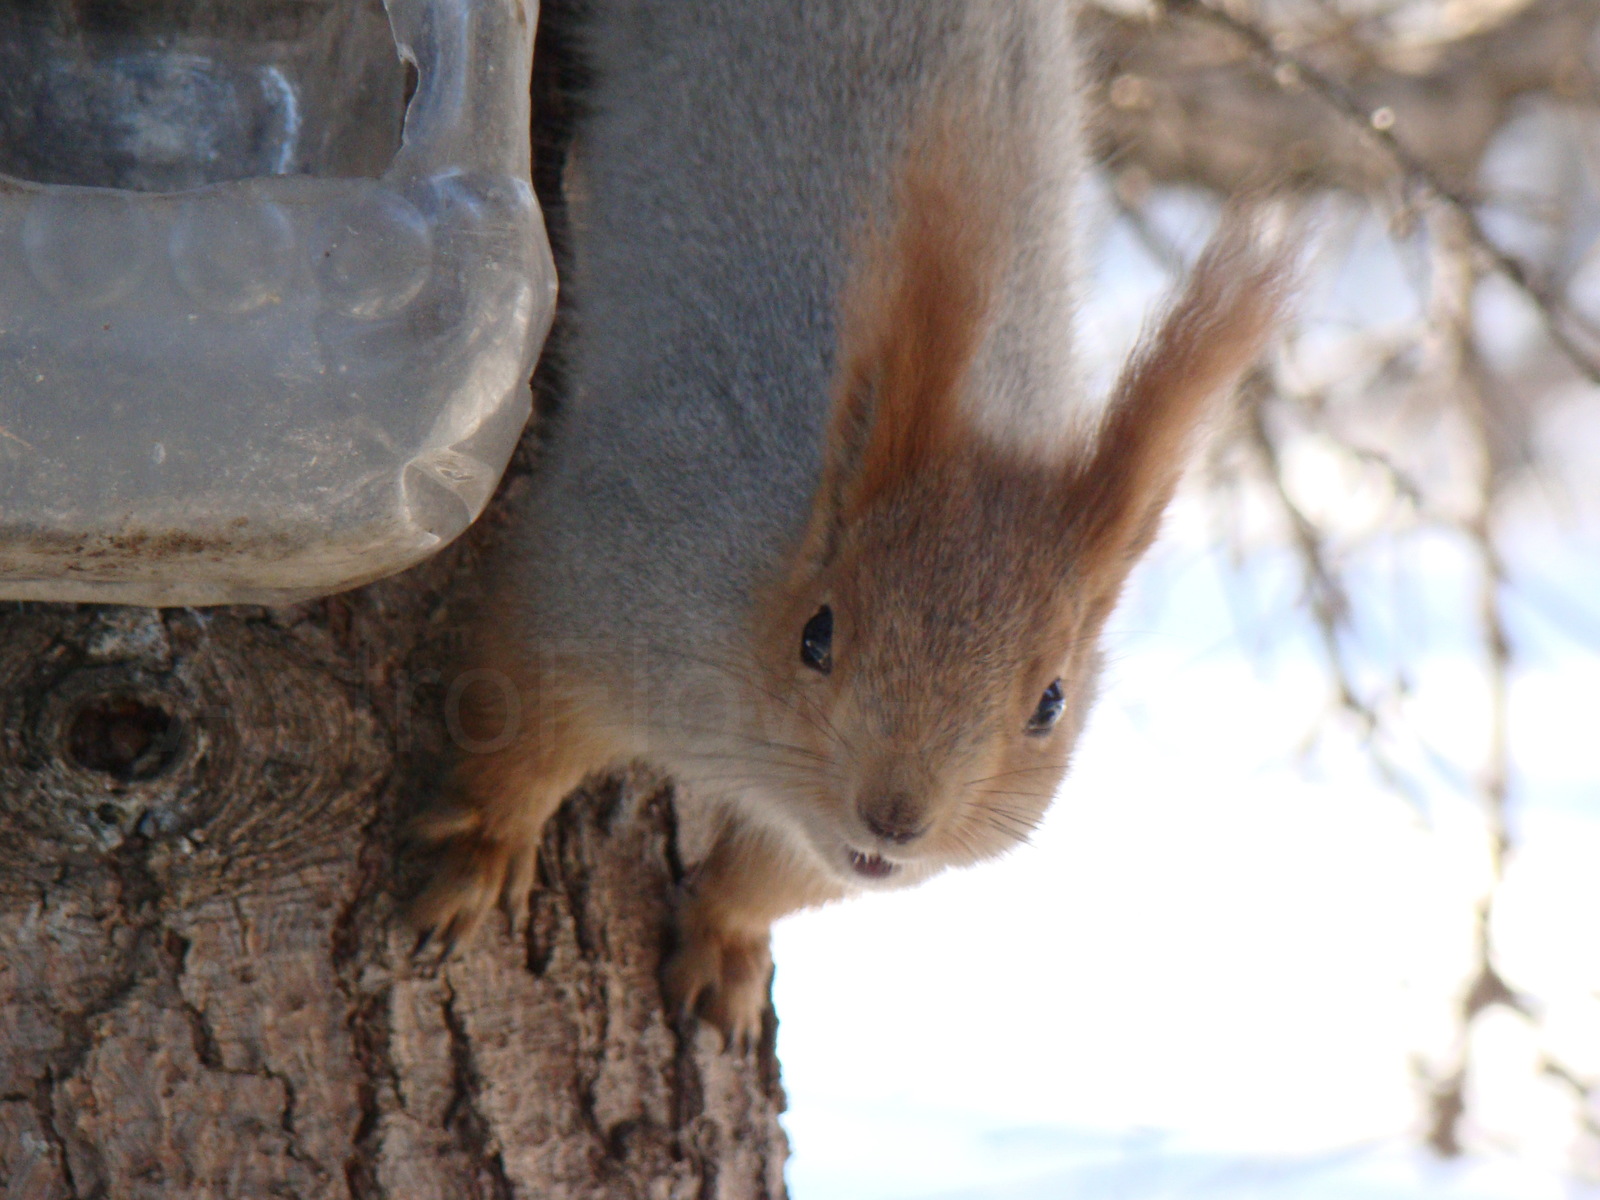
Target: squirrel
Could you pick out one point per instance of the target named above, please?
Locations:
(827, 528)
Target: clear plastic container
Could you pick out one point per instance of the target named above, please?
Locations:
(272, 281)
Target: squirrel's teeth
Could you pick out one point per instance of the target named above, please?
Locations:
(870, 865)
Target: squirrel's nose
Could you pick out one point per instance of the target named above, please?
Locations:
(896, 817)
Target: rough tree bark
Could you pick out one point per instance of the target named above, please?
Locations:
(205, 991)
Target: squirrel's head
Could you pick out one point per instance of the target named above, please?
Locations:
(930, 652)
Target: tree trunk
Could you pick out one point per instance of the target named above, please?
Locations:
(206, 991)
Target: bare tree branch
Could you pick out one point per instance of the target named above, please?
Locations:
(1209, 97)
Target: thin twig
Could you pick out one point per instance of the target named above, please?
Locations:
(1291, 70)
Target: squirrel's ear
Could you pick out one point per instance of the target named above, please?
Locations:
(911, 324)
(1208, 337)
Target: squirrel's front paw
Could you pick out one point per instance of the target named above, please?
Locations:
(722, 975)
(475, 870)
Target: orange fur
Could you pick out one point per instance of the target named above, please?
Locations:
(1213, 331)
(915, 318)
(527, 744)
(722, 965)
(965, 578)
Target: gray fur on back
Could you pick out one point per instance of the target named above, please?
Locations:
(730, 153)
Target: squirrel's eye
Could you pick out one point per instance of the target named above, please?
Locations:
(816, 641)
(1049, 711)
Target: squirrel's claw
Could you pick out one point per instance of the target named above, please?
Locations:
(475, 872)
(424, 940)
(722, 976)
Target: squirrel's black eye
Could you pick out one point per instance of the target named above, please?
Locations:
(1049, 711)
(816, 641)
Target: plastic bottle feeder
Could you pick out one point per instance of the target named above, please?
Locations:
(272, 280)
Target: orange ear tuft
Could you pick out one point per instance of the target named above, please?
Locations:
(1210, 335)
(914, 319)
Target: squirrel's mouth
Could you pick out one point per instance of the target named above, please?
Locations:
(870, 866)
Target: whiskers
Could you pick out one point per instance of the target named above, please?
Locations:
(964, 838)
(1001, 818)
(1040, 770)
(714, 755)
(1014, 824)
(831, 748)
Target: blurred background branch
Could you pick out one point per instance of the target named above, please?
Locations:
(1425, 403)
